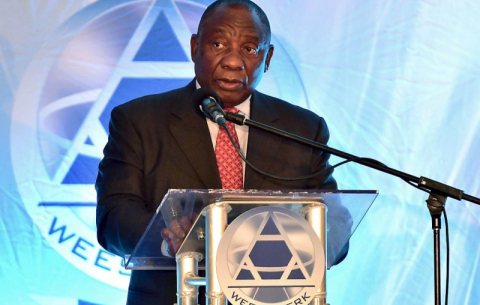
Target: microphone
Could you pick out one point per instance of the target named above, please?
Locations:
(208, 100)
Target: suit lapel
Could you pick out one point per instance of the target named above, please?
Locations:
(262, 146)
(190, 130)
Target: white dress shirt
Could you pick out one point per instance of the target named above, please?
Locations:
(242, 131)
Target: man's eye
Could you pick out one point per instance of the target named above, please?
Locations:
(251, 50)
(217, 44)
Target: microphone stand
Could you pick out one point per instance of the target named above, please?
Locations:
(438, 192)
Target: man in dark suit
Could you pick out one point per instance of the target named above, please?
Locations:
(163, 141)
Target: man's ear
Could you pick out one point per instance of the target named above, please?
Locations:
(269, 57)
(193, 46)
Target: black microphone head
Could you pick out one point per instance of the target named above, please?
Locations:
(202, 93)
(209, 101)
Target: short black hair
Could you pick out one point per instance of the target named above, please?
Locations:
(249, 5)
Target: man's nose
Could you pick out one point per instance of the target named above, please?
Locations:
(233, 60)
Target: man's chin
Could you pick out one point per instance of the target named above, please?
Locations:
(232, 98)
(231, 102)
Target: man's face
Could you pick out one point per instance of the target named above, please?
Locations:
(231, 53)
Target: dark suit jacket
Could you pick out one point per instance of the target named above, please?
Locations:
(162, 142)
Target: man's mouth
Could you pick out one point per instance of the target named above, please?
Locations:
(230, 84)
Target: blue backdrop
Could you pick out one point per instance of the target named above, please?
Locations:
(395, 80)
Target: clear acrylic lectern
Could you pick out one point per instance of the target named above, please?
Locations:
(210, 213)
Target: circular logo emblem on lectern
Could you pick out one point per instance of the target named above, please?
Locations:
(270, 255)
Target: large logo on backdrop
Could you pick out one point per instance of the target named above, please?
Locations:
(270, 255)
(105, 55)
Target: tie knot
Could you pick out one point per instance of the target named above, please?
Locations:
(231, 109)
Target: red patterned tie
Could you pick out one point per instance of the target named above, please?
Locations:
(228, 161)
